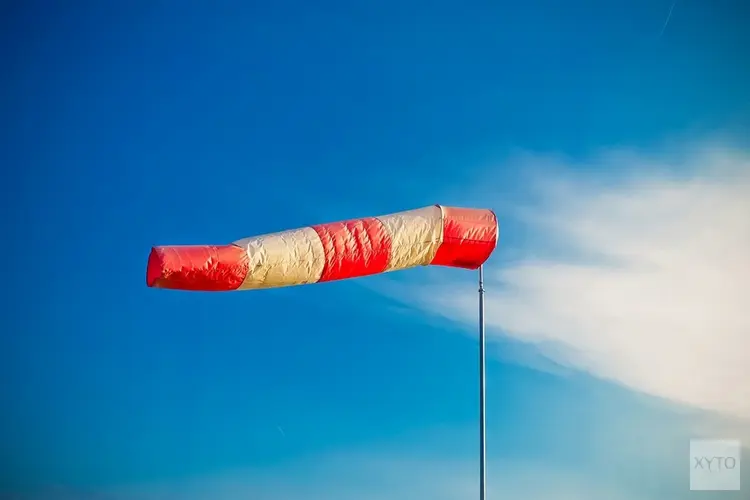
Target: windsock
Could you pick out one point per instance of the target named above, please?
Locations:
(436, 235)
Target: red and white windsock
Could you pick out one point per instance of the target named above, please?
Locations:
(435, 235)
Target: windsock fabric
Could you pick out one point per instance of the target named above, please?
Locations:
(435, 235)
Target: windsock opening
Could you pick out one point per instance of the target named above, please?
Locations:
(197, 268)
(469, 237)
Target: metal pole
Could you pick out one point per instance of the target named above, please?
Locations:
(482, 458)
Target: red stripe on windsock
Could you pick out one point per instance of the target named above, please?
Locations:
(359, 247)
(469, 237)
(198, 268)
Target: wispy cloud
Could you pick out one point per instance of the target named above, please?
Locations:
(637, 272)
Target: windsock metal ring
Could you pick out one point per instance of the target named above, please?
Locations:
(436, 235)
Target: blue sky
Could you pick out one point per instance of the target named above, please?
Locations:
(189, 122)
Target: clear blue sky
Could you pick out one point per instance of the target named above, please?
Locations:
(130, 124)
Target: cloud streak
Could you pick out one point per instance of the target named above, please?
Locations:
(643, 279)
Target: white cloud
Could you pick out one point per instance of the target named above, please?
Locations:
(641, 278)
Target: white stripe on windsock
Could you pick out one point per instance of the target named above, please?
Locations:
(293, 257)
(415, 236)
